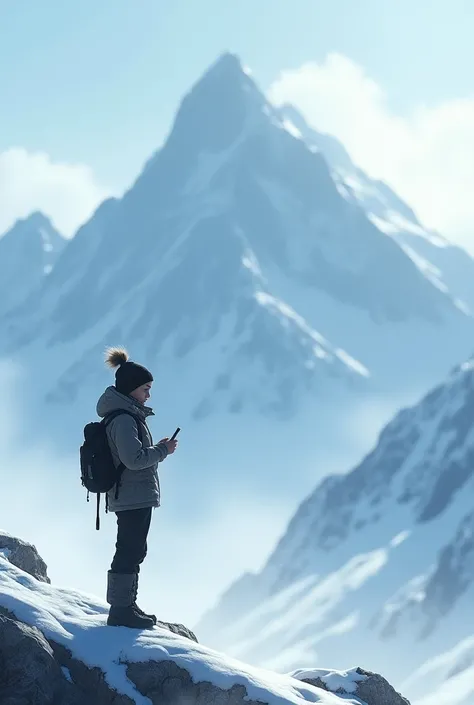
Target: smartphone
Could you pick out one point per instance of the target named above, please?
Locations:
(175, 434)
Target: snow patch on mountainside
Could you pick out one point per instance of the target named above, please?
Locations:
(392, 216)
(450, 676)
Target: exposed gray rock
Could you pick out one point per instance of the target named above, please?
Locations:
(25, 556)
(37, 671)
(29, 673)
(178, 629)
(165, 683)
(90, 684)
(373, 690)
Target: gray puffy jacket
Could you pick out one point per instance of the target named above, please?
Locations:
(139, 486)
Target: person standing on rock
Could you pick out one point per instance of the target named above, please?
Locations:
(131, 445)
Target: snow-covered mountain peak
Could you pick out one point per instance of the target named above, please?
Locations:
(227, 71)
(33, 226)
(230, 151)
(215, 114)
(222, 103)
(235, 203)
(28, 252)
(37, 219)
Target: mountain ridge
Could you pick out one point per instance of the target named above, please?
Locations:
(29, 251)
(448, 265)
(380, 556)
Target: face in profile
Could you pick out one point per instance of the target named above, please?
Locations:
(143, 393)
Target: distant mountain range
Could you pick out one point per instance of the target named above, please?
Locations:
(378, 562)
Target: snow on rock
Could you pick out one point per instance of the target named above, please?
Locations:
(334, 681)
(369, 687)
(55, 647)
(24, 555)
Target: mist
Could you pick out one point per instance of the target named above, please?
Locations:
(202, 538)
(189, 562)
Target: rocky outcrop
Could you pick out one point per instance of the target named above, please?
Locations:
(371, 689)
(165, 683)
(35, 671)
(29, 672)
(90, 684)
(24, 555)
(40, 665)
(179, 629)
(39, 671)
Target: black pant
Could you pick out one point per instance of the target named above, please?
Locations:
(131, 547)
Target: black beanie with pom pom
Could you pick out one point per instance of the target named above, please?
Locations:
(129, 375)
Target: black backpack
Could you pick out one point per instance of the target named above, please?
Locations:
(98, 471)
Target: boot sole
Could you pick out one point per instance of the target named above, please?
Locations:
(141, 627)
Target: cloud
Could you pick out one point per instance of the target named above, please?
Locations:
(426, 156)
(67, 193)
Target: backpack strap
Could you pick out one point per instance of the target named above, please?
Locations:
(97, 516)
(106, 420)
(118, 412)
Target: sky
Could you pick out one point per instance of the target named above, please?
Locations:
(88, 91)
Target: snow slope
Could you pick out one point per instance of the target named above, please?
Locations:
(78, 622)
(380, 559)
(449, 267)
(450, 676)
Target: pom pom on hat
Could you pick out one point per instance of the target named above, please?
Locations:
(129, 375)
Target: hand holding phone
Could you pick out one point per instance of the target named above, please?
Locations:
(171, 443)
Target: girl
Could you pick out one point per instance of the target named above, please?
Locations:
(138, 490)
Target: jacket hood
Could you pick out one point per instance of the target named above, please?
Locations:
(112, 400)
